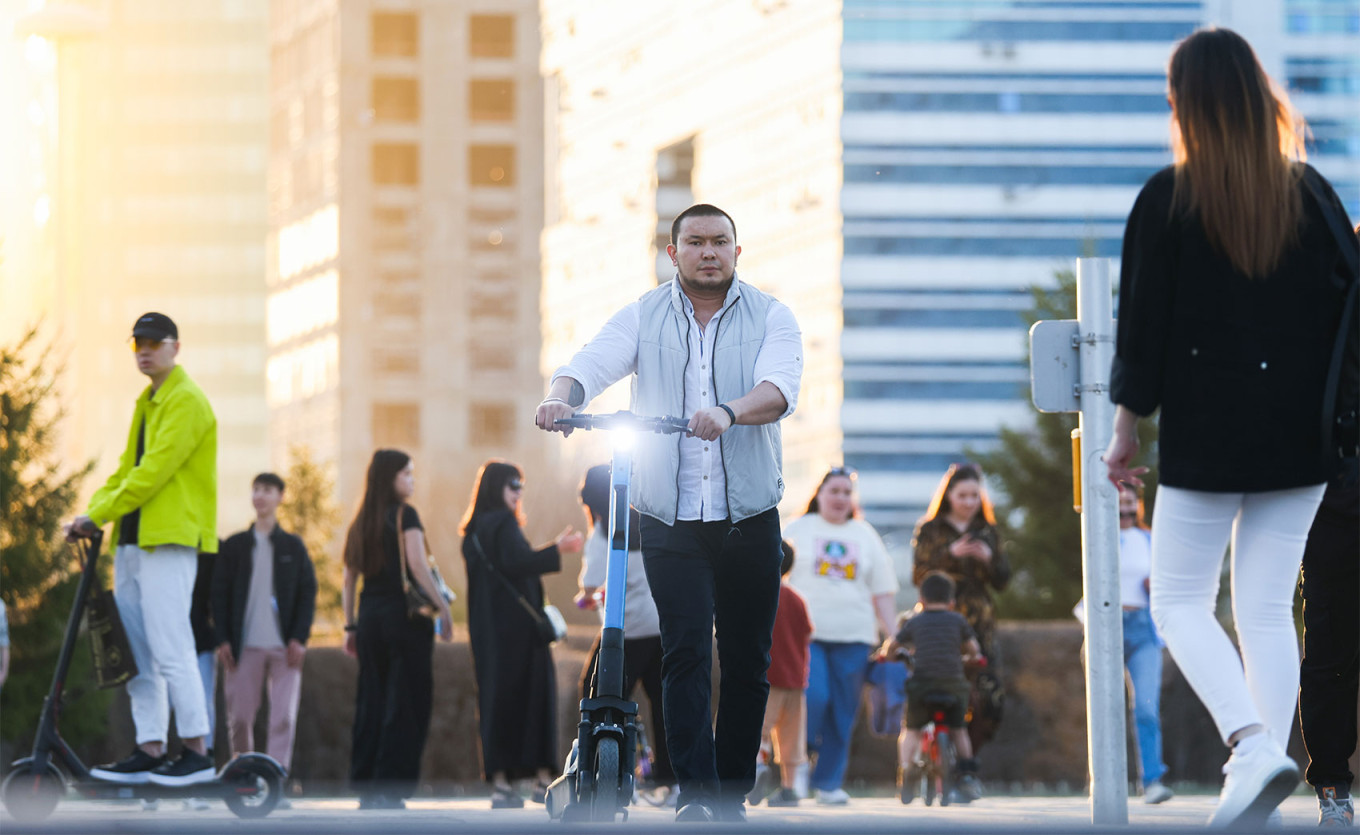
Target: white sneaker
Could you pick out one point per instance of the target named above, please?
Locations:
(832, 797)
(194, 804)
(1155, 792)
(1256, 783)
(150, 804)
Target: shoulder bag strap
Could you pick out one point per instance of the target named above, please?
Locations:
(534, 611)
(1345, 239)
(401, 549)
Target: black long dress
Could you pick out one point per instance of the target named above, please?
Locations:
(516, 678)
(392, 709)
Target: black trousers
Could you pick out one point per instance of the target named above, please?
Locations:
(1329, 676)
(392, 710)
(641, 665)
(707, 574)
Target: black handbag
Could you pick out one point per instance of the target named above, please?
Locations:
(548, 622)
(418, 603)
(113, 661)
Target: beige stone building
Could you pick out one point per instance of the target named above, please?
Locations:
(142, 187)
(405, 195)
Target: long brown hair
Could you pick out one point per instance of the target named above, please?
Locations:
(363, 542)
(489, 494)
(815, 506)
(1235, 137)
(939, 503)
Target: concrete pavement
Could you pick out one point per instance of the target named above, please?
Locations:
(472, 815)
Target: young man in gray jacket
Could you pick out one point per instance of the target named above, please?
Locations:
(728, 357)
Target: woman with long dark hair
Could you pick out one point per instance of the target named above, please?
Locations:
(849, 583)
(1229, 304)
(516, 678)
(392, 710)
(958, 536)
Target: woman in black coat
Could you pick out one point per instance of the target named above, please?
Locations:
(516, 677)
(1229, 304)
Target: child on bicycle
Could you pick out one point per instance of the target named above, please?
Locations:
(937, 639)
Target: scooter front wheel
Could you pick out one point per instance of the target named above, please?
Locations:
(254, 787)
(30, 795)
(605, 804)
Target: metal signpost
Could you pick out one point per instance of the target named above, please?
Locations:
(1069, 372)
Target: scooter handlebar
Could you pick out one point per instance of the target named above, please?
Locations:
(625, 420)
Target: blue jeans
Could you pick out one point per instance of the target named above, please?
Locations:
(835, 681)
(1143, 658)
(207, 670)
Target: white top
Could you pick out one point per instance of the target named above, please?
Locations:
(1135, 566)
(613, 353)
(261, 628)
(640, 619)
(839, 569)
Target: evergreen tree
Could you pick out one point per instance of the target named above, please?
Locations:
(1033, 466)
(309, 510)
(38, 572)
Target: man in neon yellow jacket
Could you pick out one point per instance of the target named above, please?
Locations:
(162, 502)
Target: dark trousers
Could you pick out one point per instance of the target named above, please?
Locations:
(1329, 676)
(392, 711)
(704, 574)
(641, 665)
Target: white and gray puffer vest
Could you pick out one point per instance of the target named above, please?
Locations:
(752, 456)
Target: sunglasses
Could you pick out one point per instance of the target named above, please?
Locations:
(137, 343)
(515, 484)
(849, 472)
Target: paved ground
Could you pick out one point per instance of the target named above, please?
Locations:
(862, 815)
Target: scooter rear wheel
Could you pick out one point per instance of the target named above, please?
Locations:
(30, 796)
(605, 804)
(255, 788)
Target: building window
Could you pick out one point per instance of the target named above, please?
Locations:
(491, 165)
(396, 164)
(489, 304)
(491, 36)
(395, 35)
(404, 362)
(396, 99)
(391, 229)
(396, 424)
(491, 100)
(490, 424)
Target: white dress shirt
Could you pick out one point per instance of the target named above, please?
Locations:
(612, 354)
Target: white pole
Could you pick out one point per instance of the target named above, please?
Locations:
(1105, 741)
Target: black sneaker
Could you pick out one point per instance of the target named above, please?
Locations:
(135, 768)
(189, 768)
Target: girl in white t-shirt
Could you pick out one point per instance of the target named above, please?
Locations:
(850, 585)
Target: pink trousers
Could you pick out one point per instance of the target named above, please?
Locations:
(242, 689)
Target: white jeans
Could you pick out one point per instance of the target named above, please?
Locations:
(154, 590)
(1190, 530)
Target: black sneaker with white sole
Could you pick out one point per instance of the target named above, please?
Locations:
(188, 769)
(134, 769)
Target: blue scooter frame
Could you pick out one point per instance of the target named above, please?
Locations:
(606, 737)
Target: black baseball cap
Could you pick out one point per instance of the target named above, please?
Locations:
(155, 326)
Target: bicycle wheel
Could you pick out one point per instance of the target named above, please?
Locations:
(944, 765)
(605, 804)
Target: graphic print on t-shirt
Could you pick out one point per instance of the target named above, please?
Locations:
(836, 559)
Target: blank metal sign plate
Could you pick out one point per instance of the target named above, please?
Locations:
(1054, 365)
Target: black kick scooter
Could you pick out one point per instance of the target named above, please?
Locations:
(597, 783)
(250, 784)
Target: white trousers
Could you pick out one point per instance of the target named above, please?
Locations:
(1190, 530)
(154, 590)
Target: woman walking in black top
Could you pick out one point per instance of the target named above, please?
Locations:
(392, 710)
(516, 678)
(1229, 303)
